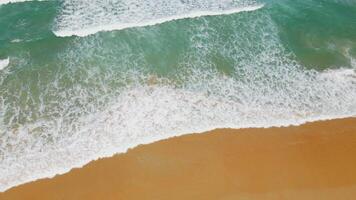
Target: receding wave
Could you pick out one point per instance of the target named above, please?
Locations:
(80, 20)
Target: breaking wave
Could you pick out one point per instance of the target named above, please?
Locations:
(4, 63)
(15, 1)
(82, 18)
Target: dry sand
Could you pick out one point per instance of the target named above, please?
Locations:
(312, 161)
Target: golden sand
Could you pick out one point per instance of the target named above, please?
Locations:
(313, 161)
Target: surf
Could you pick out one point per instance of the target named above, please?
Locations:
(120, 26)
(3, 2)
(129, 14)
(4, 63)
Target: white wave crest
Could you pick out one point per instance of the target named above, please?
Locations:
(4, 63)
(15, 1)
(82, 18)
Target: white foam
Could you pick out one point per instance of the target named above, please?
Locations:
(10, 1)
(120, 26)
(16, 40)
(144, 114)
(4, 63)
(140, 115)
(15, 1)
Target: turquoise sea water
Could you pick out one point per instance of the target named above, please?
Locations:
(83, 79)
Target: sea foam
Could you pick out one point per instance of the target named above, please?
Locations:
(120, 26)
(16, 1)
(76, 18)
(4, 63)
(145, 114)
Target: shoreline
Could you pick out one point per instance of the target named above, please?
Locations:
(79, 163)
(217, 150)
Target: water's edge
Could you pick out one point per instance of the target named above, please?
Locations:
(147, 142)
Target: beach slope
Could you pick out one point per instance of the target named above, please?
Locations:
(313, 161)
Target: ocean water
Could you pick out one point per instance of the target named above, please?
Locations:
(80, 80)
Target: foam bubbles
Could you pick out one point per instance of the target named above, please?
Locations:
(15, 1)
(82, 18)
(4, 63)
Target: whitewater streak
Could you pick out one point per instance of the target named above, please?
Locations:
(11, 1)
(15, 1)
(120, 26)
(4, 63)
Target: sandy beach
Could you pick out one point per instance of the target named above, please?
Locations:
(313, 161)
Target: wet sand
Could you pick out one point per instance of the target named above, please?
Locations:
(312, 161)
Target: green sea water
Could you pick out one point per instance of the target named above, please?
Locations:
(86, 79)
